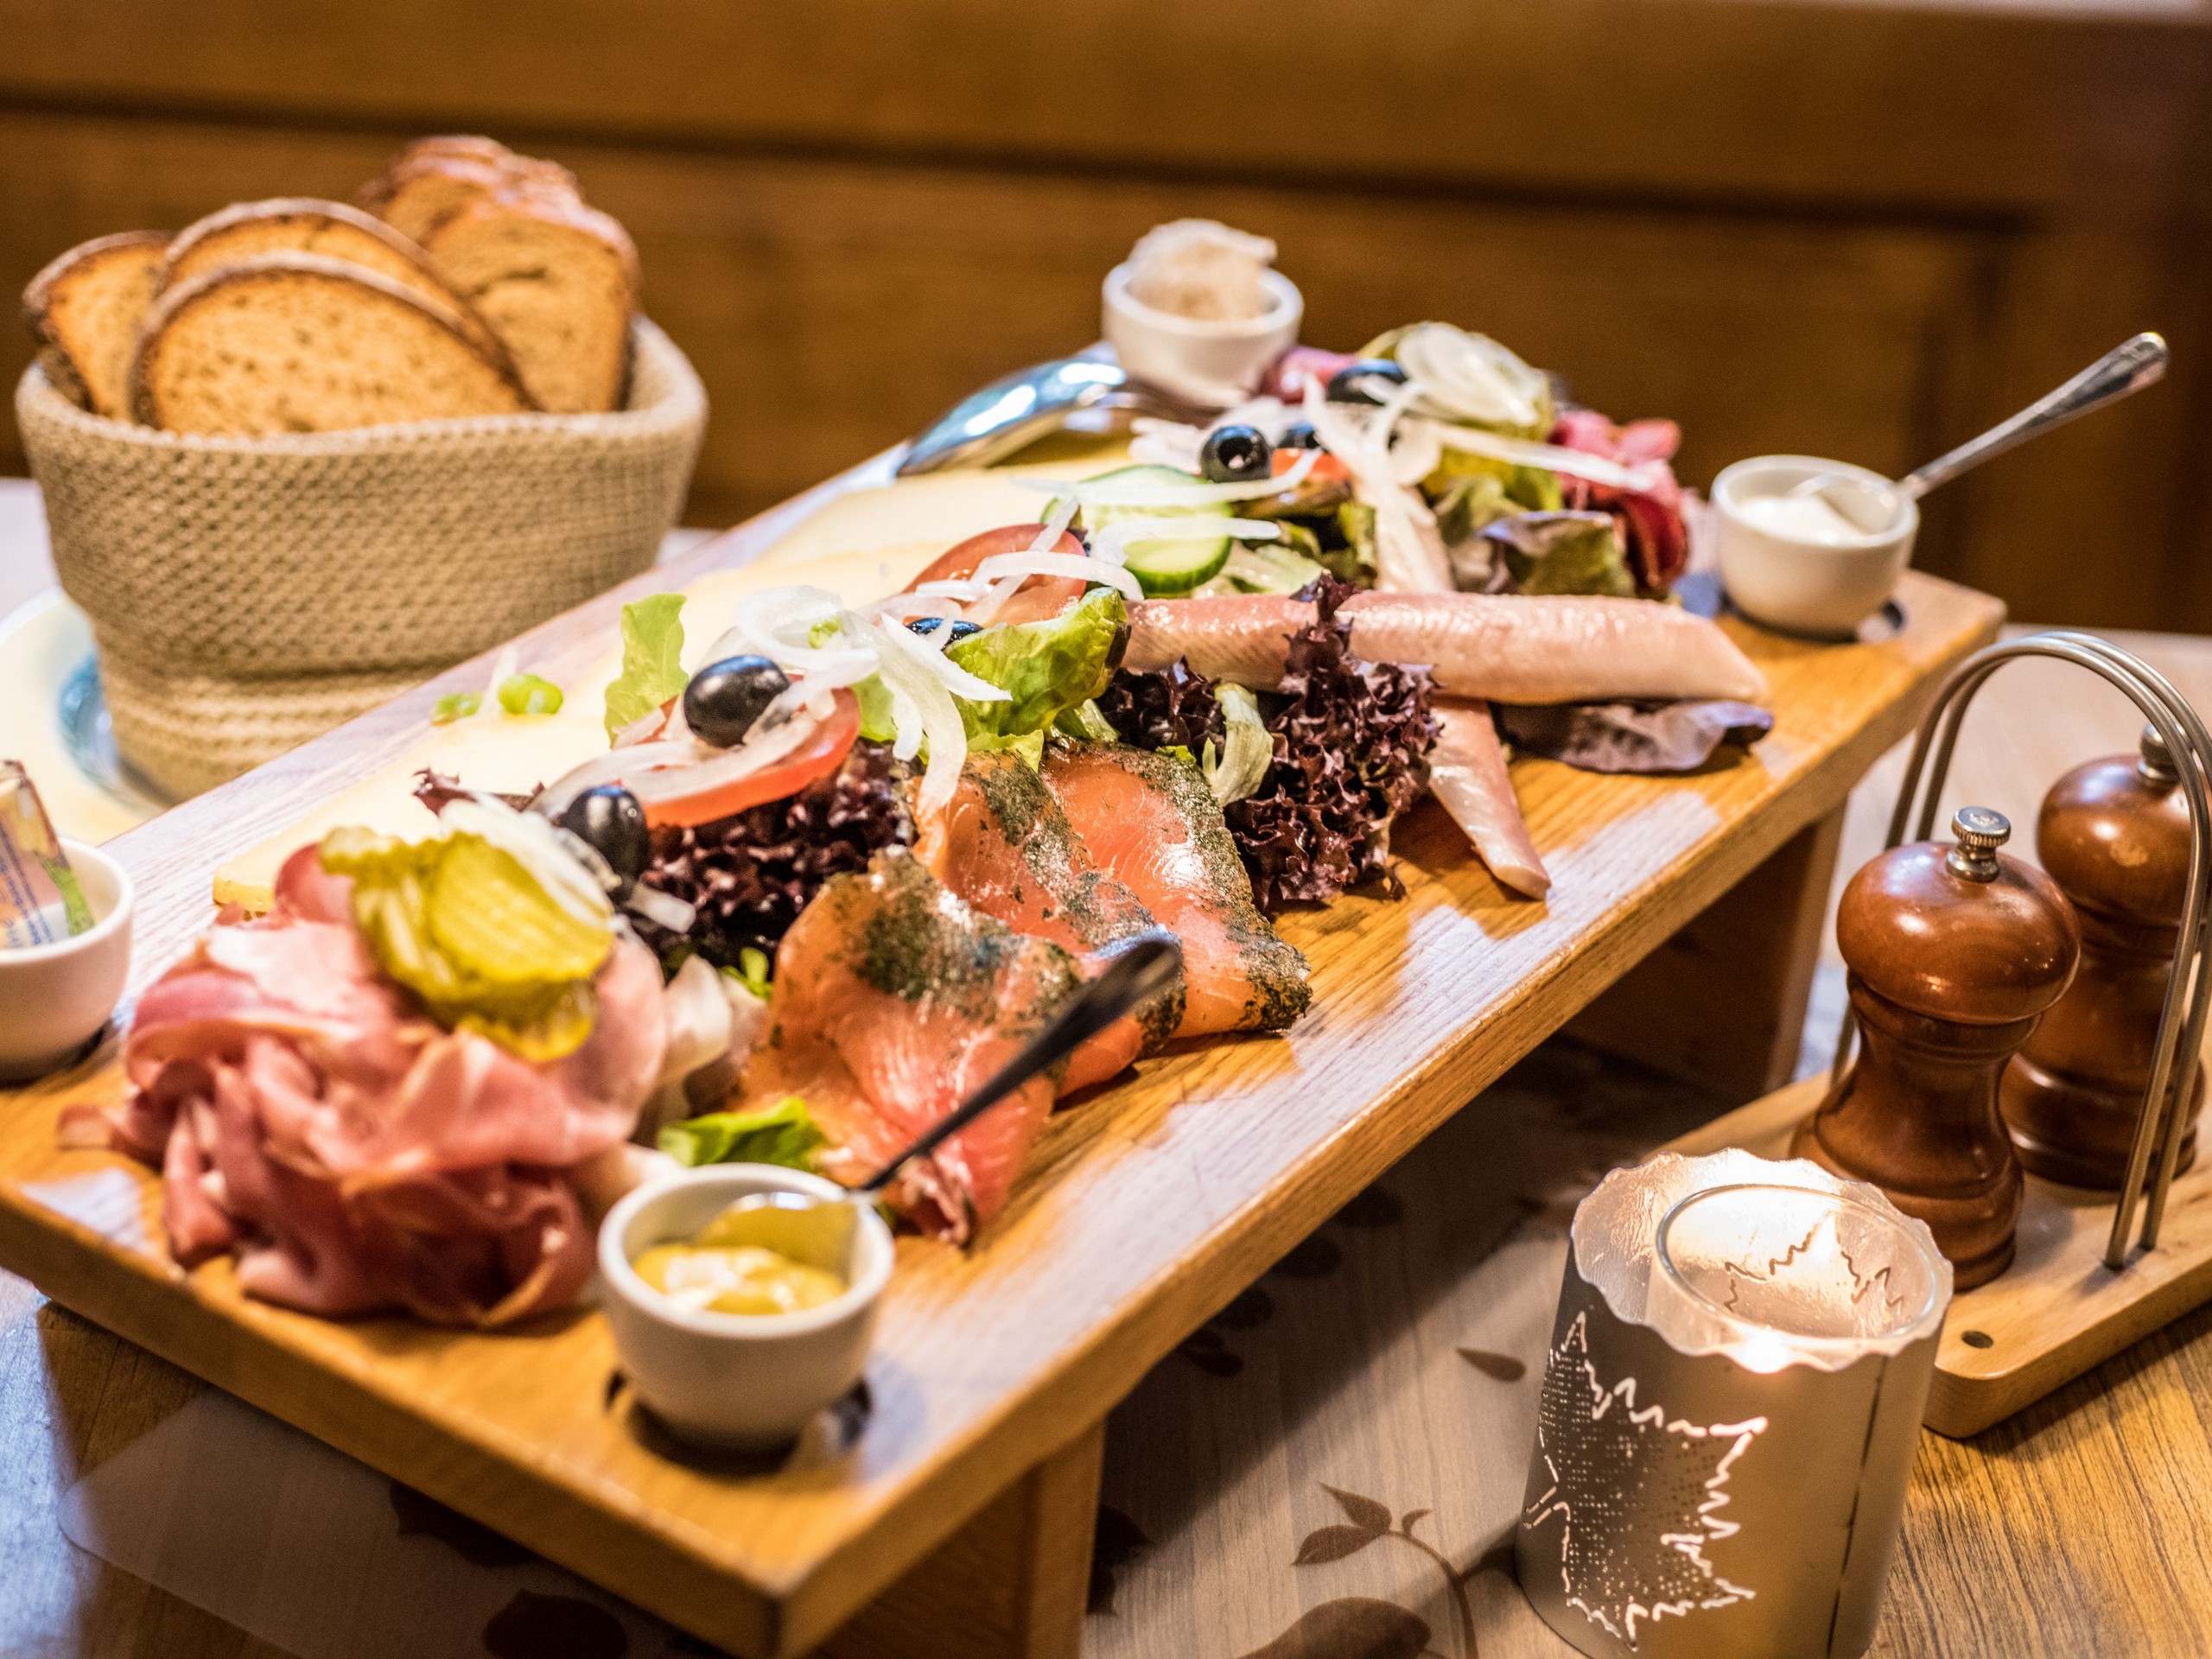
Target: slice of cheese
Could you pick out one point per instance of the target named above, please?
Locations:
(859, 547)
(503, 754)
(934, 510)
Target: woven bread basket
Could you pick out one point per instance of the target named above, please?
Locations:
(248, 594)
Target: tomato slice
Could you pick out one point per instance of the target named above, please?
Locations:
(1036, 599)
(817, 758)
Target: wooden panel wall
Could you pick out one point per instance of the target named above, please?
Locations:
(1856, 230)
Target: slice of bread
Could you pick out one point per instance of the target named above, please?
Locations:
(295, 343)
(435, 178)
(305, 225)
(557, 281)
(84, 311)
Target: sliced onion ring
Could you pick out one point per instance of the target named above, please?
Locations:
(1525, 452)
(663, 909)
(759, 750)
(955, 678)
(1105, 572)
(613, 768)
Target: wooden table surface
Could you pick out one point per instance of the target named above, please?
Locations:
(2068, 1530)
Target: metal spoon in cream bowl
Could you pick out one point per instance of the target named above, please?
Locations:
(1815, 547)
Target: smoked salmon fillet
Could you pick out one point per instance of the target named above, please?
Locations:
(1506, 647)
(1149, 821)
(1004, 845)
(894, 1000)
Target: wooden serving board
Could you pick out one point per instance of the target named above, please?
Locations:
(1144, 1208)
(2057, 1310)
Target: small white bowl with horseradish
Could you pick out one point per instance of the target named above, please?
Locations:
(1811, 546)
(1197, 310)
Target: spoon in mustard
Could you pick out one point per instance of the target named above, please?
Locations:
(819, 1231)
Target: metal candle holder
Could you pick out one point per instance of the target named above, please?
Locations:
(2188, 991)
(1729, 1406)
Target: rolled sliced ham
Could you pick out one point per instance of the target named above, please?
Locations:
(1468, 774)
(1505, 648)
(354, 1155)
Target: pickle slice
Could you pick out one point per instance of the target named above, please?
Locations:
(497, 924)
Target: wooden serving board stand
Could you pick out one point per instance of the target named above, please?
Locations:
(959, 1520)
(2057, 1310)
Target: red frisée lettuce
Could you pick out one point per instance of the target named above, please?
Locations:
(1350, 740)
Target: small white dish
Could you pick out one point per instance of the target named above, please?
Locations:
(1208, 360)
(1824, 587)
(735, 1381)
(55, 998)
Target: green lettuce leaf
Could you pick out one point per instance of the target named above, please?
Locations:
(783, 1134)
(1268, 567)
(652, 660)
(1084, 721)
(1531, 489)
(1469, 503)
(1354, 560)
(1030, 746)
(874, 698)
(1046, 667)
(1562, 553)
(1250, 749)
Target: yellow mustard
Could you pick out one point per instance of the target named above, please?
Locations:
(729, 1268)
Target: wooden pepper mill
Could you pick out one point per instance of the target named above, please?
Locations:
(1955, 953)
(2116, 834)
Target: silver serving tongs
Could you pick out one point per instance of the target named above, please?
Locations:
(988, 425)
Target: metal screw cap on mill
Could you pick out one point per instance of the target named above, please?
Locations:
(1954, 951)
(2115, 834)
(1980, 832)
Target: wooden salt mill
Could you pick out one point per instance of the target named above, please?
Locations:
(1955, 953)
(2116, 834)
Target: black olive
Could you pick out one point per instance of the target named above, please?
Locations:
(609, 820)
(725, 698)
(1354, 383)
(1233, 454)
(1298, 434)
(962, 627)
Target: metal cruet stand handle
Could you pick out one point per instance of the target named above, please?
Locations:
(2188, 991)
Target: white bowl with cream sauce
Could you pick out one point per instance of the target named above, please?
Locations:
(1817, 560)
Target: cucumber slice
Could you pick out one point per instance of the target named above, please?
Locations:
(1166, 566)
